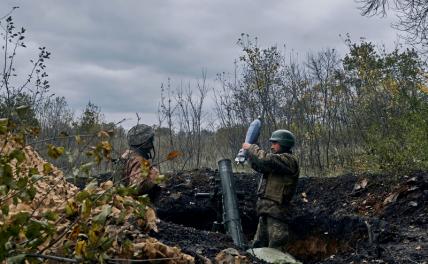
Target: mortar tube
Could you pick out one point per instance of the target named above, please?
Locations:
(231, 217)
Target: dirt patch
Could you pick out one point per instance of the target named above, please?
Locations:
(347, 219)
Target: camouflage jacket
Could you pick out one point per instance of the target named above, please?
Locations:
(278, 184)
(132, 174)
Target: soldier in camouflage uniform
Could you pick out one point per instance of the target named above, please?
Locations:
(280, 173)
(141, 149)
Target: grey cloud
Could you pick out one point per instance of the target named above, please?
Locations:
(118, 52)
(115, 90)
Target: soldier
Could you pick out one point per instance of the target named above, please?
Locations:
(140, 153)
(280, 173)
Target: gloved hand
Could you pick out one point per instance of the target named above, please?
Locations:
(246, 145)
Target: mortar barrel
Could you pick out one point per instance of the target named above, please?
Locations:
(231, 217)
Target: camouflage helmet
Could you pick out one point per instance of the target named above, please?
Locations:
(284, 137)
(141, 135)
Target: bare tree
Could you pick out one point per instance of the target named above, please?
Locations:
(169, 110)
(323, 67)
(229, 115)
(55, 117)
(190, 117)
(196, 105)
(412, 17)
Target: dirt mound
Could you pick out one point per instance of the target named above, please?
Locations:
(80, 223)
(361, 217)
(349, 219)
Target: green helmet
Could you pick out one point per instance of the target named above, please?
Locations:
(141, 135)
(284, 137)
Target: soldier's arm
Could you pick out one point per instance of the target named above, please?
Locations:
(263, 161)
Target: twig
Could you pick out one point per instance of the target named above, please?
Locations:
(138, 260)
(138, 118)
(61, 236)
(5, 198)
(57, 137)
(108, 260)
(369, 231)
(411, 260)
(69, 136)
(10, 12)
(41, 199)
(52, 257)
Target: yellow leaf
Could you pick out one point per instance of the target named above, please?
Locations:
(78, 139)
(160, 179)
(145, 168)
(73, 235)
(423, 88)
(70, 208)
(4, 122)
(94, 234)
(80, 248)
(47, 168)
(55, 152)
(106, 148)
(106, 145)
(86, 208)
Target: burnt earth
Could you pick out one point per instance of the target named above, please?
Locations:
(349, 219)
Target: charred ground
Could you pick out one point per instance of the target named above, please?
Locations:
(348, 219)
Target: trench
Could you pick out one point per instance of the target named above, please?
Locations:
(316, 233)
(199, 218)
(314, 236)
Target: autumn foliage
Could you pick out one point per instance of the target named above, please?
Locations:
(43, 215)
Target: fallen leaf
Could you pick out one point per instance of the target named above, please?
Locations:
(391, 198)
(115, 212)
(151, 219)
(361, 185)
(413, 203)
(106, 185)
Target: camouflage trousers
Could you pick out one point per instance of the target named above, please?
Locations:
(271, 232)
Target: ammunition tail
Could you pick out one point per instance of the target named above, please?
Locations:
(241, 157)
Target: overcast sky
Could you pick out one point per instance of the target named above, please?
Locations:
(116, 53)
